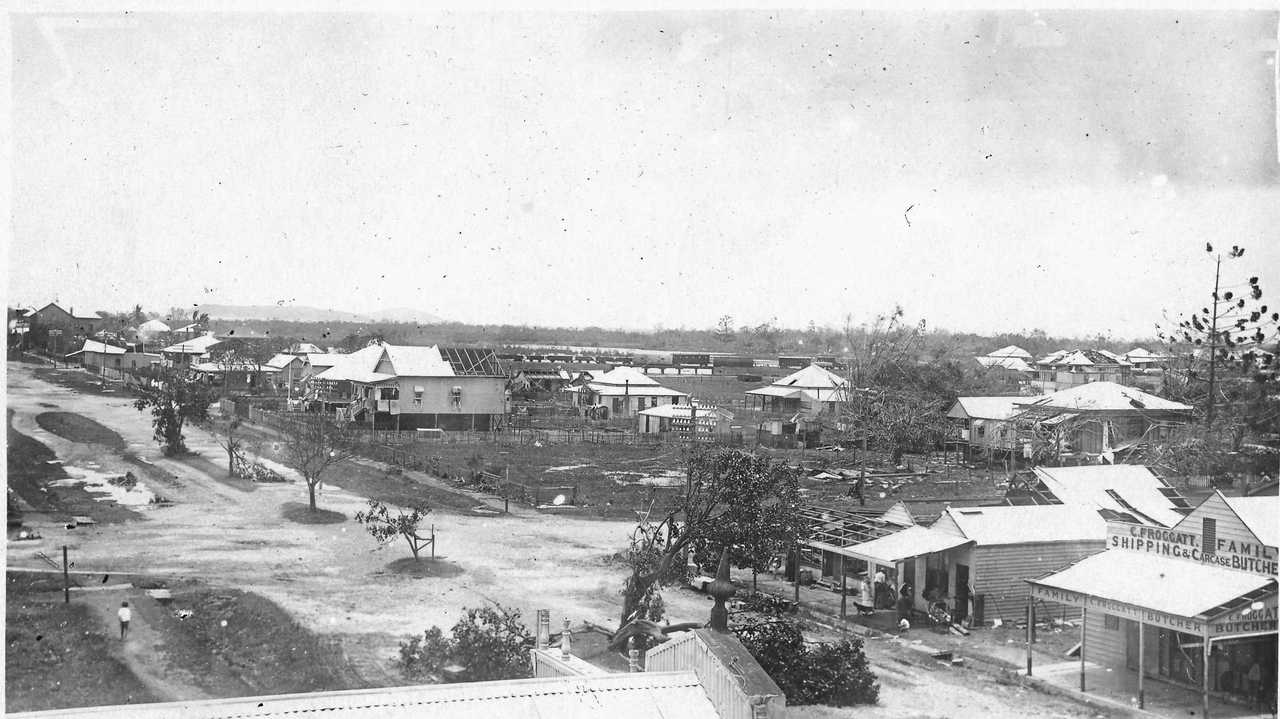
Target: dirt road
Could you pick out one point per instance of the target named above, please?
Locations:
(333, 578)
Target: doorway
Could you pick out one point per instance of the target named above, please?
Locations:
(961, 609)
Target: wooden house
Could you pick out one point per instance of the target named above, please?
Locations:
(1065, 369)
(623, 392)
(1094, 422)
(985, 423)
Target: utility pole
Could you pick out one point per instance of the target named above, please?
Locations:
(1213, 340)
(66, 577)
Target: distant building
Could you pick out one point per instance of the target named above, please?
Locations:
(676, 419)
(414, 387)
(1013, 351)
(812, 390)
(623, 392)
(1065, 369)
(61, 330)
(985, 423)
(1094, 422)
(190, 351)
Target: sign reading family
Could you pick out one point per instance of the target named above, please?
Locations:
(1228, 553)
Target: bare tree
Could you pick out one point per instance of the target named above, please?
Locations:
(312, 446)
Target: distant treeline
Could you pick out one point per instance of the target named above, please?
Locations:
(761, 340)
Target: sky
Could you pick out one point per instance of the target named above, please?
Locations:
(989, 171)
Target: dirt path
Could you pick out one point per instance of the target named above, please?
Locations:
(142, 650)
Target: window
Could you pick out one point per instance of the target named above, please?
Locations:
(1111, 622)
(1209, 534)
(982, 430)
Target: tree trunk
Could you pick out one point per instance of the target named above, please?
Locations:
(311, 494)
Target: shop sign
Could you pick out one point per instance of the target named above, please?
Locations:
(1177, 544)
(1246, 619)
(1119, 609)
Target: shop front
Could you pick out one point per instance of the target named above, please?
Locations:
(1164, 611)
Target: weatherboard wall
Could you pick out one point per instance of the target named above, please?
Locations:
(1000, 571)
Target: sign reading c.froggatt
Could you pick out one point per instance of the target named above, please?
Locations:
(1229, 554)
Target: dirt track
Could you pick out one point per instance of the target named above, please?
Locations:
(331, 577)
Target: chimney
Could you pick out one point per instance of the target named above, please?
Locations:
(565, 641)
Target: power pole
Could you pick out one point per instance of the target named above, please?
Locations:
(1213, 340)
(66, 578)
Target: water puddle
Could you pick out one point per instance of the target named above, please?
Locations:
(99, 483)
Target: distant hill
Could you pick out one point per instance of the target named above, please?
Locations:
(287, 313)
(405, 314)
(301, 313)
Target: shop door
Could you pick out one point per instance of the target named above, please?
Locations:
(961, 609)
(908, 574)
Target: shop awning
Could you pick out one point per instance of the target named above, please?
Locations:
(893, 548)
(1177, 587)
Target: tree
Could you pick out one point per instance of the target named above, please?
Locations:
(173, 398)
(384, 527)
(834, 674)
(313, 445)
(724, 330)
(137, 316)
(1229, 329)
(488, 643)
(734, 499)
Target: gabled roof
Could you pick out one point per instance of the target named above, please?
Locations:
(323, 359)
(1172, 586)
(153, 326)
(195, 345)
(357, 366)
(417, 361)
(1010, 351)
(1027, 524)
(1104, 396)
(635, 695)
(305, 348)
(280, 361)
(1017, 364)
(1077, 358)
(1260, 514)
(1123, 488)
(99, 348)
(997, 408)
(623, 375)
(812, 377)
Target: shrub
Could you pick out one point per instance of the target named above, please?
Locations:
(835, 674)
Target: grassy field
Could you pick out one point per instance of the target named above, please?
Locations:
(222, 642)
(59, 655)
(78, 428)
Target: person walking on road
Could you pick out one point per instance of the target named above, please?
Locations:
(126, 615)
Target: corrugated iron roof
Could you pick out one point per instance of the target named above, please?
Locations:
(99, 348)
(1134, 484)
(890, 549)
(1104, 396)
(1017, 364)
(998, 408)
(1028, 524)
(195, 345)
(811, 377)
(1010, 351)
(417, 361)
(622, 376)
(639, 695)
(1173, 586)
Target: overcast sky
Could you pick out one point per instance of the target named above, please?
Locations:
(1063, 170)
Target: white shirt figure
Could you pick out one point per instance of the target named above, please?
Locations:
(879, 577)
(125, 614)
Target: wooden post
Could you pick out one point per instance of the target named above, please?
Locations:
(1031, 613)
(797, 577)
(1084, 622)
(843, 598)
(1142, 659)
(1204, 690)
(433, 541)
(66, 578)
